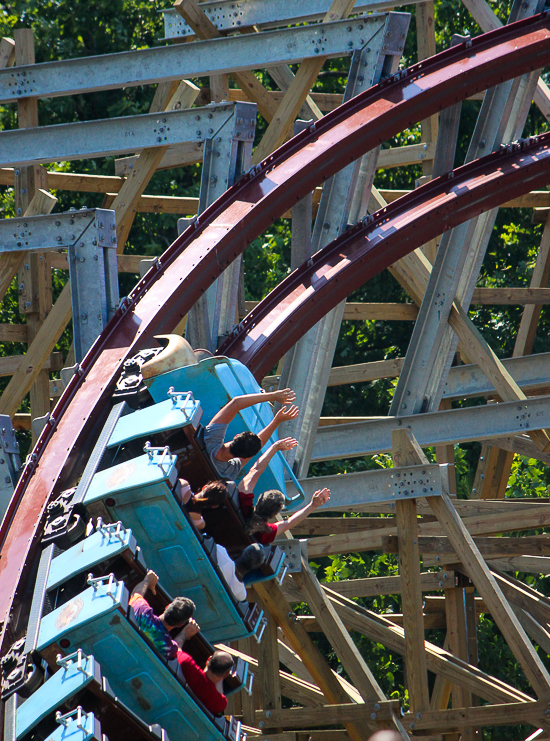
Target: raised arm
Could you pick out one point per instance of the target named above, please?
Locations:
(190, 630)
(149, 582)
(319, 498)
(283, 415)
(232, 408)
(251, 479)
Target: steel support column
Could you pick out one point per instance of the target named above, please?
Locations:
(307, 365)
(433, 343)
(226, 156)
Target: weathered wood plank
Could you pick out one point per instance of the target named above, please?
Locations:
(501, 611)
(336, 633)
(498, 522)
(438, 660)
(411, 590)
(488, 715)
(300, 642)
(327, 715)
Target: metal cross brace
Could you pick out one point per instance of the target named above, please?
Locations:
(229, 16)
(187, 61)
(225, 157)
(434, 428)
(86, 139)
(383, 485)
(307, 365)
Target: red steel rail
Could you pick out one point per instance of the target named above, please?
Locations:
(224, 230)
(347, 263)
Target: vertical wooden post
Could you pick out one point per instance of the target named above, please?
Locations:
(269, 683)
(219, 88)
(249, 703)
(411, 589)
(425, 41)
(35, 283)
(270, 593)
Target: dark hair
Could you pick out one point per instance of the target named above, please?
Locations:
(212, 494)
(178, 611)
(220, 662)
(269, 504)
(245, 445)
(252, 557)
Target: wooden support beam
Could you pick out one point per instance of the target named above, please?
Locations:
(9, 364)
(536, 545)
(411, 590)
(298, 90)
(71, 181)
(159, 204)
(490, 524)
(300, 642)
(269, 684)
(7, 52)
(205, 29)
(439, 661)
(336, 633)
(458, 643)
(479, 351)
(501, 611)
(35, 286)
(532, 713)
(328, 715)
(376, 585)
(13, 332)
(425, 41)
(526, 564)
(333, 525)
(524, 596)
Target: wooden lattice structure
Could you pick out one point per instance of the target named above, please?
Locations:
(465, 569)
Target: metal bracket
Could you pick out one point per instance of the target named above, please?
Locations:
(293, 550)
(90, 238)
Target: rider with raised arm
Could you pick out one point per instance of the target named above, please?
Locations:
(271, 502)
(228, 458)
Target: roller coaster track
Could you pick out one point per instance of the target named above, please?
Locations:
(224, 230)
(374, 244)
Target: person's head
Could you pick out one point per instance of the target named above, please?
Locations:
(220, 665)
(269, 504)
(211, 495)
(178, 612)
(251, 558)
(245, 445)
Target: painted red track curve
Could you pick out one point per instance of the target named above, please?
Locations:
(347, 263)
(199, 255)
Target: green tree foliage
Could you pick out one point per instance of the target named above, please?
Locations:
(78, 28)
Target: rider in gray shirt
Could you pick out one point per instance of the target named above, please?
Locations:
(230, 457)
